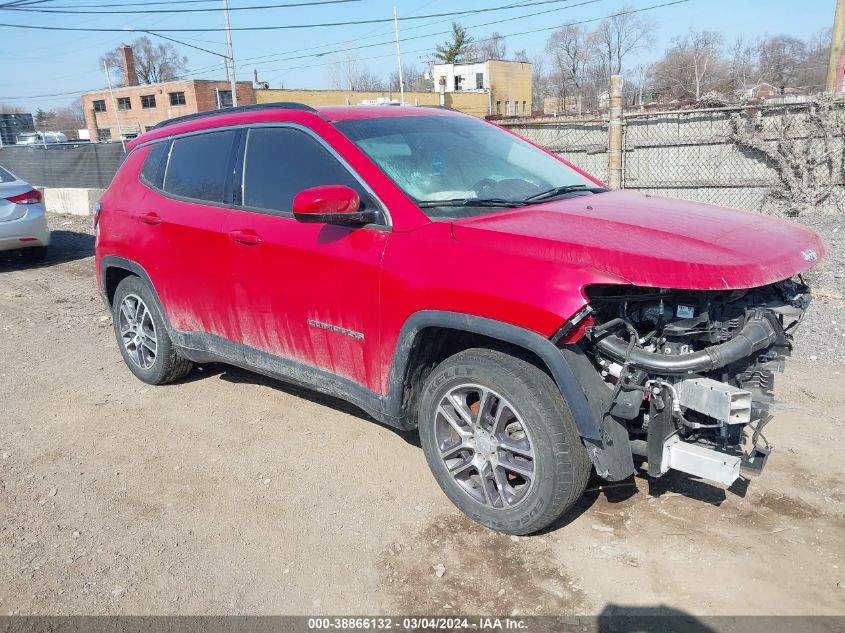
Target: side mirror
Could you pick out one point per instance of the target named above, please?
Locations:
(331, 204)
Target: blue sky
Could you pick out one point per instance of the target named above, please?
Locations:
(61, 63)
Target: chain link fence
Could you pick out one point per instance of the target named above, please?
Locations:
(778, 159)
(77, 165)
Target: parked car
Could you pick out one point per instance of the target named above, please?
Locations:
(41, 138)
(23, 223)
(451, 278)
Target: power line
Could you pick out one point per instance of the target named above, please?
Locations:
(199, 10)
(287, 26)
(276, 57)
(527, 32)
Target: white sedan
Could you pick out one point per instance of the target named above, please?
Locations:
(23, 225)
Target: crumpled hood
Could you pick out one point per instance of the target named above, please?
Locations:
(652, 241)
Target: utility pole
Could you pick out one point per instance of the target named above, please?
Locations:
(398, 57)
(114, 107)
(614, 146)
(836, 48)
(230, 56)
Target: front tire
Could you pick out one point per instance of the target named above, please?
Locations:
(142, 335)
(501, 441)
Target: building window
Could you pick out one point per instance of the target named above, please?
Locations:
(177, 98)
(104, 134)
(123, 103)
(148, 101)
(224, 98)
(100, 105)
(458, 80)
(498, 107)
(479, 81)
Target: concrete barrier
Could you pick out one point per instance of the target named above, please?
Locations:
(71, 201)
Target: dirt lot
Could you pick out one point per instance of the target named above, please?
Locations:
(231, 493)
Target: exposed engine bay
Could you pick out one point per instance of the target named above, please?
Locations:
(692, 372)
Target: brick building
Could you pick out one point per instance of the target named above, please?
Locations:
(138, 107)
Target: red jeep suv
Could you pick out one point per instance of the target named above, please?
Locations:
(447, 276)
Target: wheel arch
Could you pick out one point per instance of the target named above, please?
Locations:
(114, 269)
(420, 346)
(430, 336)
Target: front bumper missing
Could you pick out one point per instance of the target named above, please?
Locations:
(664, 449)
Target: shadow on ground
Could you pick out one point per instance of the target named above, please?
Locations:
(65, 246)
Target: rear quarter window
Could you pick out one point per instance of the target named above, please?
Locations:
(6, 176)
(152, 173)
(199, 166)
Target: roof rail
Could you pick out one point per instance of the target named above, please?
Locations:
(281, 105)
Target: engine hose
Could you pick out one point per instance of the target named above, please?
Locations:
(757, 333)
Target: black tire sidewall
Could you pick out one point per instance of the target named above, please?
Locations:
(160, 369)
(536, 511)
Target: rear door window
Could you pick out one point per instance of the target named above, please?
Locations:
(199, 166)
(281, 162)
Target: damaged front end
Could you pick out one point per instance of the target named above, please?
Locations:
(690, 373)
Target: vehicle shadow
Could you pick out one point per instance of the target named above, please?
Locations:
(236, 375)
(616, 618)
(65, 246)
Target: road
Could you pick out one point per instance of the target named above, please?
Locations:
(232, 493)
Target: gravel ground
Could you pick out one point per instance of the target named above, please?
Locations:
(228, 493)
(821, 337)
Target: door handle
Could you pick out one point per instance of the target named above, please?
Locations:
(246, 237)
(150, 218)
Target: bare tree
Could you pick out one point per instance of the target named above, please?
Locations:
(781, 57)
(153, 63)
(743, 64)
(571, 49)
(618, 36)
(688, 69)
(491, 47)
(812, 70)
(69, 119)
(5, 108)
(347, 74)
(414, 79)
(521, 56)
(638, 83)
(540, 81)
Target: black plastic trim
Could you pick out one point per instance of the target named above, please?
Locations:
(561, 371)
(280, 105)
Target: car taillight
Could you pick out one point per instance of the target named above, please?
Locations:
(98, 207)
(30, 197)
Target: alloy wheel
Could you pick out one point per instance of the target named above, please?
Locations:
(137, 331)
(485, 446)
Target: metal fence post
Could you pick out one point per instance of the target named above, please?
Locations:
(614, 142)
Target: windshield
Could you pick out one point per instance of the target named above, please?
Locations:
(450, 165)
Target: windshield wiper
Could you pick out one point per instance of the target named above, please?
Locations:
(471, 202)
(560, 191)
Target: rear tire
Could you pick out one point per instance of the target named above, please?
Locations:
(34, 254)
(142, 335)
(485, 411)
